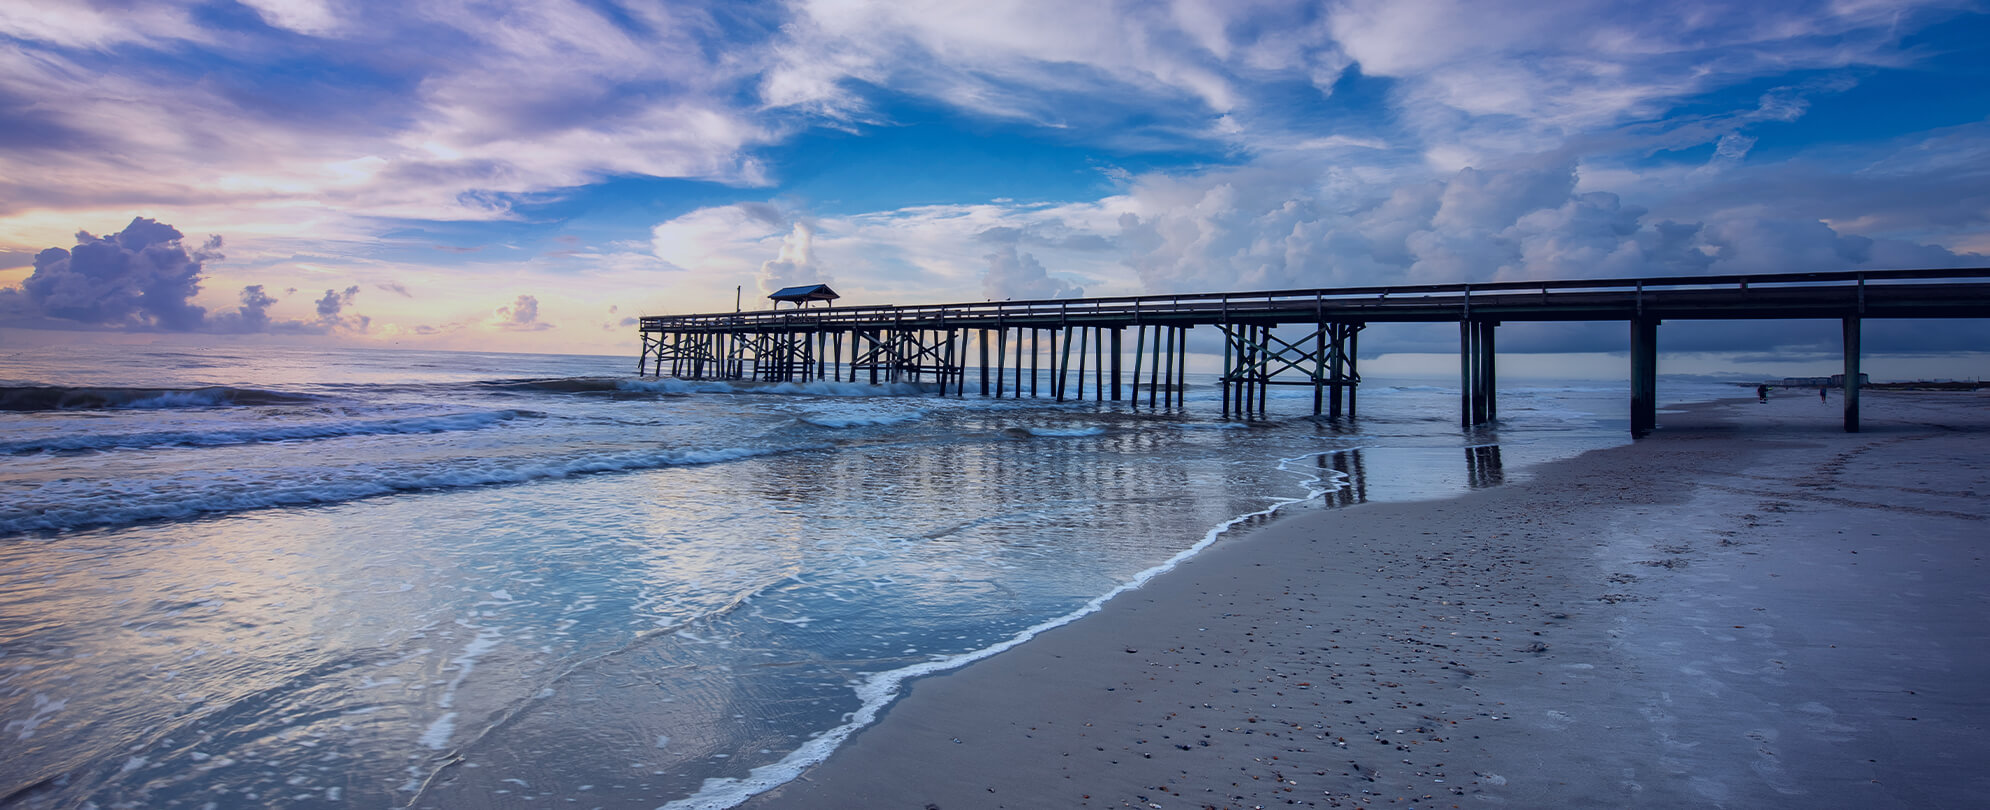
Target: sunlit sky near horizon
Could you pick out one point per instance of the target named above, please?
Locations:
(529, 176)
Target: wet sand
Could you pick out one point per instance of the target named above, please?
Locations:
(1751, 608)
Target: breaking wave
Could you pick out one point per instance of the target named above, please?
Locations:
(672, 385)
(72, 504)
(69, 443)
(59, 398)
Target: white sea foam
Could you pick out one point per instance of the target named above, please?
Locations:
(70, 504)
(820, 388)
(672, 385)
(835, 388)
(1064, 433)
(466, 662)
(438, 733)
(879, 689)
(44, 706)
(70, 442)
(859, 417)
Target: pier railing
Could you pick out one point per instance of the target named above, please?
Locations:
(1909, 293)
(896, 342)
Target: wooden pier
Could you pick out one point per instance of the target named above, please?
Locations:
(1050, 348)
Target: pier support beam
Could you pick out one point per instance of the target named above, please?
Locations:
(1256, 358)
(1851, 375)
(982, 340)
(1116, 349)
(1478, 387)
(1001, 357)
(1644, 376)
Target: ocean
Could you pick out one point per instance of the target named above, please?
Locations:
(247, 576)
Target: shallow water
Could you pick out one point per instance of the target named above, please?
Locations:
(296, 578)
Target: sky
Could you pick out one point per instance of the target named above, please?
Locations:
(531, 176)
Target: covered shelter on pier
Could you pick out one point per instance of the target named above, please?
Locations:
(801, 296)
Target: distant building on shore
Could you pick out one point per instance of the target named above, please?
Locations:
(1833, 381)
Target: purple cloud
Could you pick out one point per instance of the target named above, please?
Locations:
(522, 315)
(139, 278)
(253, 316)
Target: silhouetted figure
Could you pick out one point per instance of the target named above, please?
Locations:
(1824, 393)
(1762, 393)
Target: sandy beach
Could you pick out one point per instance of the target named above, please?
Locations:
(1751, 608)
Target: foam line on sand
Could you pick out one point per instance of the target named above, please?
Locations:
(1749, 609)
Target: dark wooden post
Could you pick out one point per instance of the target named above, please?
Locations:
(1019, 362)
(1229, 341)
(1181, 366)
(1139, 340)
(1154, 368)
(1354, 372)
(1264, 367)
(1084, 341)
(1116, 332)
(1322, 366)
(1336, 356)
(1465, 367)
(1001, 357)
(1064, 368)
(1099, 363)
(1644, 376)
(1851, 326)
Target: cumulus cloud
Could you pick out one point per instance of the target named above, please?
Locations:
(521, 315)
(796, 264)
(1019, 276)
(139, 278)
(524, 97)
(143, 278)
(1265, 230)
(331, 308)
(252, 316)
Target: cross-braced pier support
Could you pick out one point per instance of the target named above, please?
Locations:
(699, 356)
(1255, 357)
(910, 355)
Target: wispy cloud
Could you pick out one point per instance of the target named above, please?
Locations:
(1345, 142)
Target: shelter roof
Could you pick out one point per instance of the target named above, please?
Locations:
(805, 292)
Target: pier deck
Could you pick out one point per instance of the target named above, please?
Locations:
(942, 342)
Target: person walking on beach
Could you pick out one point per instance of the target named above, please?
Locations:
(1824, 393)
(1762, 392)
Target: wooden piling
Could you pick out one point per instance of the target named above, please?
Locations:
(1099, 363)
(1084, 340)
(1644, 376)
(1139, 340)
(1064, 367)
(1001, 357)
(1851, 331)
